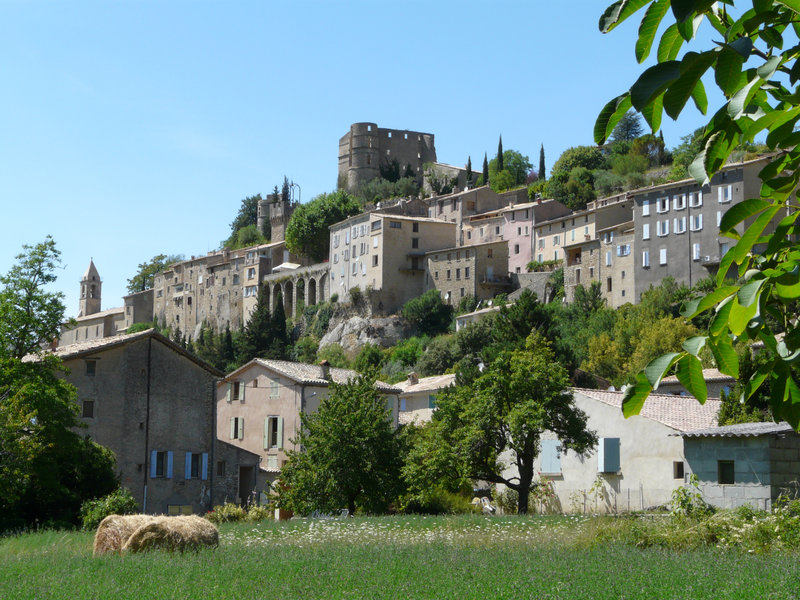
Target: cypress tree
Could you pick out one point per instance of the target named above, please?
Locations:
(255, 338)
(500, 164)
(226, 347)
(469, 170)
(278, 339)
(542, 172)
(485, 170)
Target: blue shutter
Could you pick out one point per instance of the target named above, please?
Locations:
(169, 464)
(153, 457)
(608, 455)
(431, 401)
(188, 467)
(204, 467)
(551, 456)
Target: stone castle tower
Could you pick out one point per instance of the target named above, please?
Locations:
(277, 212)
(91, 288)
(366, 147)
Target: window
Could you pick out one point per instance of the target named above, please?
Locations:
(662, 256)
(336, 258)
(677, 469)
(395, 225)
(462, 292)
(448, 274)
(376, 225)
(608, 284)
(572, 235)
(87, 411)
(466, 272)
(375, 242)
(251, 273)
(237, 392)
(550, 457)
(436, 275)
(431, 401)
(355, 268)
(680, 224)
(91, 367)
(608, 258)
(696, 199)
(220, 468)
(516, 248)
(555, 254)
(663, 228)
(591, 272)
(646, 231)
(608, 237)
(726, 473)
(697, 222)
(645, 258)
(196, 466)
(237, 428)
(556, 240)
(724, 193)
(662, 205)
(645, 208)
(458, 273)
(623, 250)
(415, 242)
(489, 253)
(540, 257)
(375, 260)
(161, 464)
(541, 243)
(679, 201)
(415, 227)
(695, 251)
(608, 455)
(274, 387)
(273, 432)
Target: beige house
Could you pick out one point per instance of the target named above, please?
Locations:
(716, 383)
(638, 462)
(418, 396)
(152, 403)
(383, 254)
(480, 270)
(259, 407)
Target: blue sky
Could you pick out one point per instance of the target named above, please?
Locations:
(128, 129)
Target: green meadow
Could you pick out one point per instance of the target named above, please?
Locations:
(402, 557)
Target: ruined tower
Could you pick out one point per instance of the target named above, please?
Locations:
(277, 212)
(91, 287)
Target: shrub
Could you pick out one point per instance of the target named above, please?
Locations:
(257, 513)
(334, 298)
(334, 354)
(507, 500)
(227, 513)
(428, 313)
(118, 502)
(688, 500)
(356, 295)
(441, 502)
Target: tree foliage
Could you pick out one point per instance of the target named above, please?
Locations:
(308, 229)
(350, 457)
(513, 171)
(146, 271)
(428, 313)
(503, 411)
(756, 72)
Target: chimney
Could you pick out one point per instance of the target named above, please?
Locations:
(326, 369)
(412, 378)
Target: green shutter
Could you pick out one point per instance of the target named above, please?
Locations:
(280, 432)
(233, 428)
(266, 433)
(228, 393)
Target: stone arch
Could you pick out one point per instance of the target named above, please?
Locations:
(273, 297)
(323, 284)
(289, 298)
(312, 291)
(299, 294)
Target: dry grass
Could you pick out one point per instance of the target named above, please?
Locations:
(115, 530)
(173, 533)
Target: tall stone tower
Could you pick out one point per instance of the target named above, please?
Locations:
(276, 212)
(91, 286)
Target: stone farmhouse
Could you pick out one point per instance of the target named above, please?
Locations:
(152, 403)
(259, 407)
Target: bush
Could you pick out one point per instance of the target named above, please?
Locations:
(356, 295)
(334, 354)
(334, 298)
(428, 313)
(508, 500)
(441, 502)
(227, 513)
(256, 513)
(118, 502)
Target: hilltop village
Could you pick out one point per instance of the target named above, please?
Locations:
(189, 434)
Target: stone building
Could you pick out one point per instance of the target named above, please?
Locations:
(220, 288)
(480, 270)
(153, 404)
(418, 396)
(384, 255)
(367, 147)
(92, 323)
(259, 407)
(277, 212)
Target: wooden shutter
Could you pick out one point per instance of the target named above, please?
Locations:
(266, 433)
(608, 455)
(153, 458)
(551, 456)
(233, 428)
(188, 467)
(169, 464)
(242, 388)
(204, 467)
(280, 432)
(241, 428)
(228, 393)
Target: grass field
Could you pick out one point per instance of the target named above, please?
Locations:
(395, 557)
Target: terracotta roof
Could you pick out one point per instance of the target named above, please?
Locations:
(103, 313)
(683, 413)
(710, 375)
(742, 430)
(307, 374)
(426, 384)
(98, 345)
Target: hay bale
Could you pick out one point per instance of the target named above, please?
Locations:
(173, 533)
(114, 531)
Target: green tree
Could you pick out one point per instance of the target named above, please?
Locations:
(485, 171)
(589, 300)
(504, 411)
(428, 313)
(369, 359)
(499, 159)
(468, 176)
(628, 129)
(263, 336)
(308, 229)
(351, 454)
(516, 165)
(542, 170)
(143, 279)
(334, 354)
(756, 74)
(589, 157)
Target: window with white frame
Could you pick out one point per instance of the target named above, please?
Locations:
(541, 243)
(679, 201)
(697, 222)
(645, 208)
(375, 242)
(645, 258)
(608, 237)
(556, 240)
(623, 250)
(663, 228)
(695, 251)
(608, 258)
(662, 204)
(646, 231)
(347, 237)
(336, 258)
(662, 256)
(696, 199)
(725, 193)
(680, 224)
